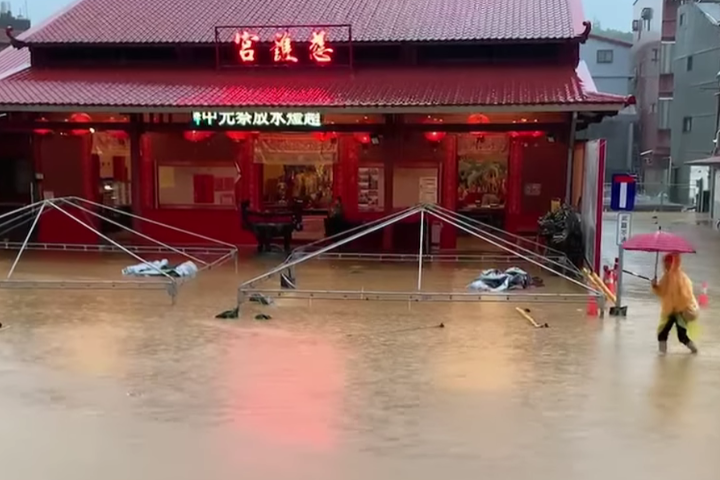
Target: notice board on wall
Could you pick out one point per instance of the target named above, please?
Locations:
(407, 183)
(371, 189)
(428, 187)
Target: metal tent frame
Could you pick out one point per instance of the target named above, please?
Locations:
(549, 260)
(221, 252)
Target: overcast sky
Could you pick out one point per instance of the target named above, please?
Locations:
(615, 14)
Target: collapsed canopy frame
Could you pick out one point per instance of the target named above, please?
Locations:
(221, 252)
(513, 247)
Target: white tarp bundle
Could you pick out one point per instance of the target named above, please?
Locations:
(161, 267)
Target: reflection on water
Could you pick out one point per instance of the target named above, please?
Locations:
(293, 395)
(121, 385)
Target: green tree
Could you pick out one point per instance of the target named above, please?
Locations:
(611, 32)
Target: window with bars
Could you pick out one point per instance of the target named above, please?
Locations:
(604, 56)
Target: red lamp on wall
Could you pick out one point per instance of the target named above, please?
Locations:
(118, 134)
(528, 134)
(196, 135)
(433, 135)
(324, 136)
(362, 138)
(237, 136)
(478, 119)
(42, 131)
(80, 118)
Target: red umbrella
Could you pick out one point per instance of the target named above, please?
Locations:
(658, 242)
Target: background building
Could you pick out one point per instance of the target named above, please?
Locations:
(654, 28)
(694, 115)
(609, 62)
(7, 19)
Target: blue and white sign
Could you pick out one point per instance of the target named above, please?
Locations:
(622, 192)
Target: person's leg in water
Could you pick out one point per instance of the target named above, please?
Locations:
(684, 338)
(664, 333)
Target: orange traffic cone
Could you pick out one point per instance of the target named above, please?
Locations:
(606, 274)
(611, 284)
(703, 300)
(592, 307)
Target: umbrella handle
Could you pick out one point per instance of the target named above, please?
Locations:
(635, 274)
(657, 259)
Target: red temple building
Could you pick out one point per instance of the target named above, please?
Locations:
(180, 111)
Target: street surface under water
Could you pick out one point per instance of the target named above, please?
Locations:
(121, 385)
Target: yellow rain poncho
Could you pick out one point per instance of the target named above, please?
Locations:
(676, 295)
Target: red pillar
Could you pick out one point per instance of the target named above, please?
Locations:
(348, 163)
(90, 169)
(90, 165)
(387, 241)
(448, 235)
(38, 169)
(338, 170)
(137, 175)
(514, 185)
(146, 178)
(239, 155)
(250, 175)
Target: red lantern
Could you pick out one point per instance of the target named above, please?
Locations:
(434, 136)
(42, 131)
(196, 135)
(531, 134)
(80, 118)
(478, 119)
(324, 136)
(237, 135)
(362, 137)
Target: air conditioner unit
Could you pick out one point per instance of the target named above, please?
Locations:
(636, 26)
(646, 13)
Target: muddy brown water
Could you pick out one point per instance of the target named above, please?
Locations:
(119, 385)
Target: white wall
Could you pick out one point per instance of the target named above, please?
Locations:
(609, 77)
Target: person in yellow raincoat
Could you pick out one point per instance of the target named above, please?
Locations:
(678, 304)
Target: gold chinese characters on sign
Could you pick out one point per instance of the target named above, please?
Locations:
(257, 119)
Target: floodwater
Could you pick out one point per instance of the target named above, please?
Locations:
(120, 385)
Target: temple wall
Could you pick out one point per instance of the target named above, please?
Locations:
(197, 185)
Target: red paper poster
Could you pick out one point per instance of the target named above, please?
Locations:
(120, 173)
(204, 189)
